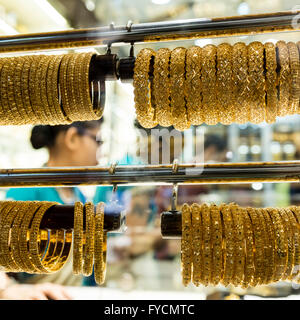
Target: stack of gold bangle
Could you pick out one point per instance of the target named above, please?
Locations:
(46, 89)
(226, 84)
(231, 245)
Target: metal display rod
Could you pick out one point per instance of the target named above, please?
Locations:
(153, 32)
(222, 173)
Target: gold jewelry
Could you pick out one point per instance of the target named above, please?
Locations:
(284, 78)
(161, 87)
(145, 112)
(271, 82)
(207, 250)
(224, 84)
(197, 244)
(186, 242)
(78, 237)
(100, 243)
(256, 81)
(240, 82)
(194, 85)
(295, 77)
(88, 258)
(265, 261)
(217, 252)
(65, 252)
(178, 91)
(211, 109)
(295, 217)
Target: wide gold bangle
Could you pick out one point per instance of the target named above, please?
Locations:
(256, 81)
(210, 105)
(145, 112)
(271, 82)
(295, 77)
(100, 244)
(78, 237)
(4, 206)
(88, 258)
(264, 242)
(193, 85)
(284, 79)
(217, 251)
(186, 245)
(178, 90)
(240, 82)
(224, 84)
(161, 87)
(295, 218)
(207, 250)
(7, 113)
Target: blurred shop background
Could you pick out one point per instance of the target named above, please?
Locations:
(139, 260)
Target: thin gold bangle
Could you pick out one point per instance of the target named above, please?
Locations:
(295, 76)
(194, 85)
(186, 245)
(65, 252)
(88, 258)
(264, 236)
(78, 237)
(295, 215)
(207, 250)
(196, 244)
(3, 120)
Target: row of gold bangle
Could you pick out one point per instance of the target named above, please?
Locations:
(24, 246)
(217, 84)
(89, 250)
(46, 89)
(232, 245)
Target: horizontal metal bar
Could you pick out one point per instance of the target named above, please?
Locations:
(153, 32)
(222, 173)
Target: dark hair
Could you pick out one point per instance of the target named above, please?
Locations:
(45, 135)
(213, 140)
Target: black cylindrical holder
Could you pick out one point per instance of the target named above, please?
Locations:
(126, 69)
(103, 67)
(62, 217)
(171, 224)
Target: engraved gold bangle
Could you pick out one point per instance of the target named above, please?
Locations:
(284, 78)
(208, 80)
(3, 119)
(224, 84)
(193, 85)
(145, 112)
(295, 213)
(271, 82)
(295, 77)
(78, 237)
(186, 245)
(240, 83)
(256, 81)
(197, 244)
(207, 250)
(88, 259)
(161, 87)
(178, 91)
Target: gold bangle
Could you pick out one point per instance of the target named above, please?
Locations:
(161, 87)
(217, 252)
(186, 242)
(224, 84)
(281, 251)
(208, 79)
(78, 237)
(256, 81)
(65, 252)
(271, 82)
(207, 250)
(284, 78)
(3, 120)
(145, 112)
(239, 245)
(264, 241)
(295, 216)
(100, 242)
(240, 82)
(88, 258)
(249, 261)
(193, 85)
(178, 92)
(47, 256)
(295, 75)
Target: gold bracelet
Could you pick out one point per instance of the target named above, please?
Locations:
(264, 240)
(88, 258)
(186, 245)
(295, 75)
(240, 83)
(145, 112)
(196, 244)
(207, 250)
(208, 80)
(161, 87)
(65, 252)
(271, 82)
(193, 85)
(256, 81)
(78, 237)
(249, 261)
(178, 91)
(3, 120)
(281, 251)
(100, 242)
(239, 245)
(224, 84)
(217, 252)
(284, 78)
